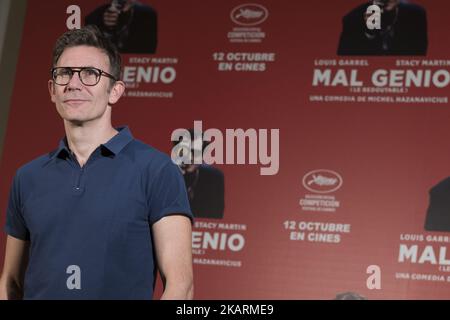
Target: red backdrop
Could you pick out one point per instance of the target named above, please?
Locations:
(387, 155)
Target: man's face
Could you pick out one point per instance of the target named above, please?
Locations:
(76, 102)
(189, 168)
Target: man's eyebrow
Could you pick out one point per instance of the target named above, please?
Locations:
(89, 66)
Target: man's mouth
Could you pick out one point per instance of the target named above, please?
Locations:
(74, 102)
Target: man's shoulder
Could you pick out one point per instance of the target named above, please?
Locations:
(411, 8)
(210, 171)
(150, 161)
(144, 9)
(35, 165)
(442, 187)
(146, 155)
(356, 14)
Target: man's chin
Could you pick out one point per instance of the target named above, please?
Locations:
(77, 122)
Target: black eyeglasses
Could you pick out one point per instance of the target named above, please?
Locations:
(89, 76)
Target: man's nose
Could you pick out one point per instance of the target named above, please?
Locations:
(75, 82)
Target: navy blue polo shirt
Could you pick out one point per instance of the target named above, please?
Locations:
(97, 217)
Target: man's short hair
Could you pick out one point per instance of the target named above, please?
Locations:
(89, 36)
(349, 296)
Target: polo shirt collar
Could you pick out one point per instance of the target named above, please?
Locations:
(119, 141)
(114, 145)
(62, 151)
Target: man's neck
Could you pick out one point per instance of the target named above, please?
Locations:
(85, 138)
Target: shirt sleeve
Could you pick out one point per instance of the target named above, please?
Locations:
(15, 223)
(168, 194)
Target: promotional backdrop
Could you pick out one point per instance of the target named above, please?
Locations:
(362, 138)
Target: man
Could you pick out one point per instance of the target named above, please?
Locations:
(130, 25)
(403, 30)
(204, 183)
(96, 217)
(438, 212)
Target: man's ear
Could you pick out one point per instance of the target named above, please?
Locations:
(116, 92)
(51, 90)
